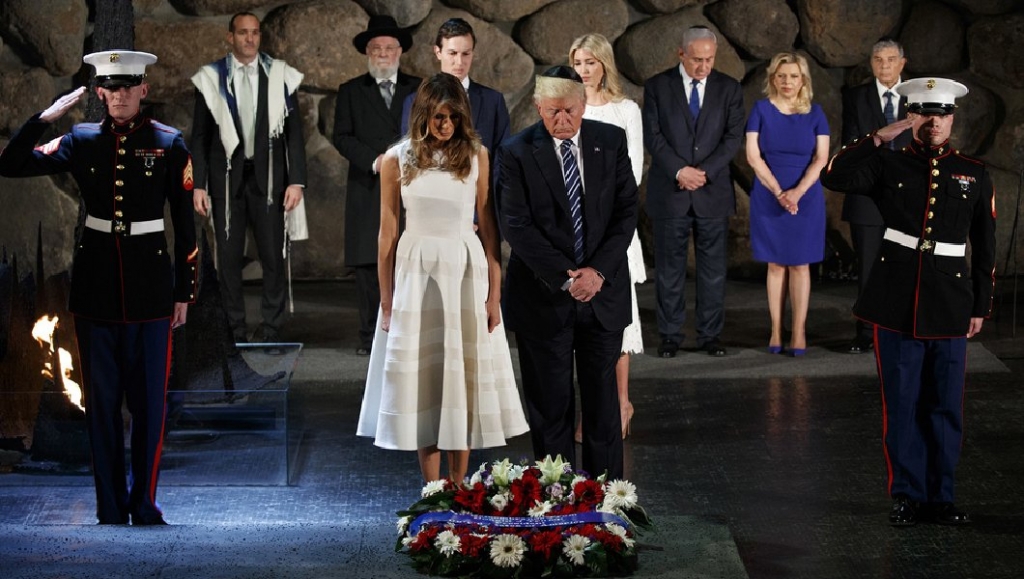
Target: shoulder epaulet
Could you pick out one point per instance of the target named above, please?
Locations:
(157, 125)
(968, 158)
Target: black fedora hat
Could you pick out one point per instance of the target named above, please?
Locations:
(382, 25)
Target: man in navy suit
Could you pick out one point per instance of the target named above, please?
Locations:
(568, 210)
(864, 110)
(693, 127)
(454, 47)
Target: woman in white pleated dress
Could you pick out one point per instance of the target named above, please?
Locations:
(440, 375)
(592, 57)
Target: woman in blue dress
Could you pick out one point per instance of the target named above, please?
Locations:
(787, 146)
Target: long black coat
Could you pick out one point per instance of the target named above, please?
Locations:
(931, 193)
(364, 127)
(124, 172)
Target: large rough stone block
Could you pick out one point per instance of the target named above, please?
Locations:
(1006, 184)
(35, 91)
(666, 6)
(1007, 150)
(841, 32)
(762, 28)
(330, 59)
(216, 7)
(322, 255)
(548, 33)
(50, 33)
(182, 46)
(976, 118)
(28, 203)
(498, 62)
(495, 11)
(652, 46)
(405, 12)
(933, 39)
(995, 47)
(986, 7)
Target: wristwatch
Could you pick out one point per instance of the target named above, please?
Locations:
(568, 284)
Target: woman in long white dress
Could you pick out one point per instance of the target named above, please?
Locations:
(592, 57)
(440, 374)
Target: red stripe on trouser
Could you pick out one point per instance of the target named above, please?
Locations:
(885, 413)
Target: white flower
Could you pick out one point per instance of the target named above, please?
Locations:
(551, 470)
(507, 550)
(500, 471)
(516, 472)
(499, 501)
(574, 547)
(431, 488)
(620, 531)
(406, 541)
(448, 543)
(577, 479)
(620, 494)
(539, 508)
(478, 476)
(403, 524)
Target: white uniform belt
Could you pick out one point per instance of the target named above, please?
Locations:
(124, 227)
(926, 245)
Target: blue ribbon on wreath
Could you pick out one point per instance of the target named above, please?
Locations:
(490, 521)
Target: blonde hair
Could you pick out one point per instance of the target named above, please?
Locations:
(456, 154)
(803, 98)
(548, 87)
(598, 45)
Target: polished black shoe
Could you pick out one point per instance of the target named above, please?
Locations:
(903, 512)
(363, 351)
(265, 335)
(714, 348)
(946, 514)
(860, 346)
(668, 349)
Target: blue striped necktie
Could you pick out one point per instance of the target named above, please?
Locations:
(695, 100)
(574, 191)
(890, 114)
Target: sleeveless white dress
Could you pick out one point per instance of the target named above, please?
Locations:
(438, 377)
(625, 114)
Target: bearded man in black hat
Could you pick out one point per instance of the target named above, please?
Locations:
(368, 120)
(126, 291)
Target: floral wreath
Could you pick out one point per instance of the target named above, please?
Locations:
(511, 520)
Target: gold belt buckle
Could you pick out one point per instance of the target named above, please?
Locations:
(927, 244)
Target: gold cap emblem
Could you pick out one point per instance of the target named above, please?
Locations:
(931, 83)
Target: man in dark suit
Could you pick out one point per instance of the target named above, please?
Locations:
(924, 298)
(250, 155)
(568, 211)
(693, 127)
(126, 296)
(866, 108)
(455, 47)
(368, 120)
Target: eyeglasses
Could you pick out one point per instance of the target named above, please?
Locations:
(379, 50)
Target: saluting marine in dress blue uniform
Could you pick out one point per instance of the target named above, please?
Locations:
(923, 296)
(126, 291)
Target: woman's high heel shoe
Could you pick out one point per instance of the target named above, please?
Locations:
(626, 415)
(774, 349)
(797, 352)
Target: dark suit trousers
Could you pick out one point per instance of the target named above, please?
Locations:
(368, 300)
(922, 396)
(124, 362)
(671, 248)
(867, 240)
(547, 373)
(250, 207)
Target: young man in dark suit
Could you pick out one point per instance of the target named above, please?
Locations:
(866, 108)
(693, 127)
(250, 167)
(568, 211)
(368, 120)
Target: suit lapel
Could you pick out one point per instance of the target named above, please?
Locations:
(681, 99)
(593, 177)
(875, 105)
(375, 101)
(476, 103)
(548, 165)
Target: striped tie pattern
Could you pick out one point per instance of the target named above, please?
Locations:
(890, 113)
(574, 190)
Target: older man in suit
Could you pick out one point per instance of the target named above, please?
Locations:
(568, 211)
(368, 120)
(250, 166)
(867, 108)
(693, 127)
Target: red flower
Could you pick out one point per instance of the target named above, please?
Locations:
(544, 541)
(611, 542)
(472, 499)
(473, 544)
(525, 492)
(589, 493)
(424, 540)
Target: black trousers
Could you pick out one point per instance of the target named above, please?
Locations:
(547, 374)
(368, 298)
(249, 208)
(124, 363)
(867, 239)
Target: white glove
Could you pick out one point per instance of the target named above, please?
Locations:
(61, 105)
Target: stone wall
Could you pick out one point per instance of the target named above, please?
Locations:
(977, 42)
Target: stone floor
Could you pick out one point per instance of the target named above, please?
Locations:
(754, 465)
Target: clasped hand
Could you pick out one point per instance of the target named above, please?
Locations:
(586, 283)
(789, 199)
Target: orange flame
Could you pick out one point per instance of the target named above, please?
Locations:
(43, 331)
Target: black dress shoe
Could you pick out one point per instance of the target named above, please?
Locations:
(713, 348)
(363, 351)
(903, 512)
(265, 335)
(947, 514)
(668, 349)
(860, 346)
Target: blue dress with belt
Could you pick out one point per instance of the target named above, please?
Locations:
(787, 145)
